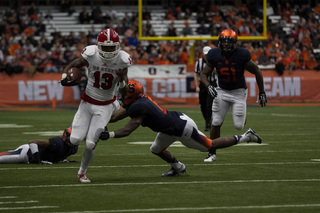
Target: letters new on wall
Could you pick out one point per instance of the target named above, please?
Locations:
(166, 84)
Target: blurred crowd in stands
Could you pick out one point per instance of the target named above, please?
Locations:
(298, 49)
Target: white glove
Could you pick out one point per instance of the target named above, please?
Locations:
(64, 75)
(212, 91)
(262, 99)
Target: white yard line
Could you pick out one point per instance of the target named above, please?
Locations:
(19, 202)
(27, 208)
(202, 208)
(14, 126)
(312, 161)
(224, 151)
(179, 144)
(44, 133)
(5, 208)
(159, 183)
(8, 197)
(282, 115)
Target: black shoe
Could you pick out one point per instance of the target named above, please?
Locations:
(208, 127)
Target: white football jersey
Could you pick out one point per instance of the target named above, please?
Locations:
(102, 78)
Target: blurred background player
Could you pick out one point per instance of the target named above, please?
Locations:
(171, 126)
(42, 151)
(107, 72)
(230, 63)
(205, 99)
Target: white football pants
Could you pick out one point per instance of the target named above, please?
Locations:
(18, 155)
(88, 123)
(191, 137)
(237, 100)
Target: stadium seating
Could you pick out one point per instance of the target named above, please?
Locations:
(65, 23)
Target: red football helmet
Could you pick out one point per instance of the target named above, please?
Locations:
(108, 44)
(228, 41)
(135, 92)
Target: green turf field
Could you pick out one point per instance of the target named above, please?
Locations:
(280, 175)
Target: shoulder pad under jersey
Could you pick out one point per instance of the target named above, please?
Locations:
(89, 51)
(125, 59)
(213, 54)
(244, 54)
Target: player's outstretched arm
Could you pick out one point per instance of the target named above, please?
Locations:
(119, 115)
(132, 125)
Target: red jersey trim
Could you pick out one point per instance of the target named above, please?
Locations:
(87, 98)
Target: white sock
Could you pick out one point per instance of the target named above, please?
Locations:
(241, 138)
(87, 157)
(177, 165)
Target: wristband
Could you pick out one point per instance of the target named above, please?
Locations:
(111, 134)
(122, 84)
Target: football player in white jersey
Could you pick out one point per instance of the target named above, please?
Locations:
(107, 73)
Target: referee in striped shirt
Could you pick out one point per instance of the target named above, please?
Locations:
(205, 100)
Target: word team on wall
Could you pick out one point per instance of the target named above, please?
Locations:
(166, 84)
